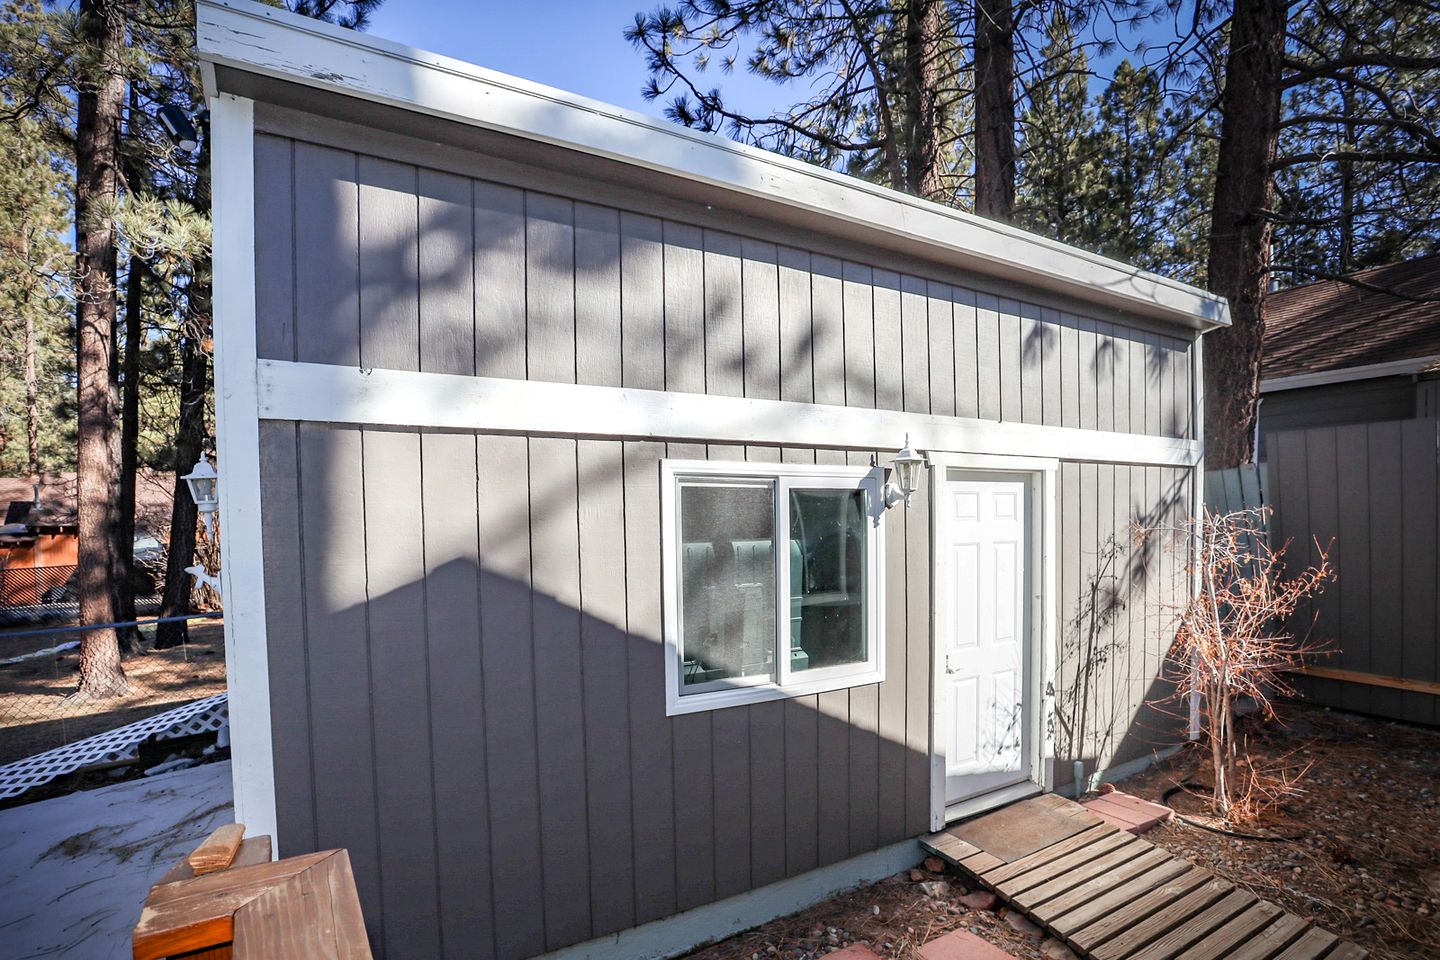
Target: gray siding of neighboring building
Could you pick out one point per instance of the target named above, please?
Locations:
(1331, 405)
(464, 629)
(1427, 396)
(1369, 493)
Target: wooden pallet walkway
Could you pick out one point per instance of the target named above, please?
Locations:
(1114, 896)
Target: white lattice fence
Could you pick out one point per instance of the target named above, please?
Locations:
(122, 743)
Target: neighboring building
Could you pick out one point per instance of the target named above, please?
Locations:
(1339, 352)
(38, 542)
(1350, 441)
(562, 586)
(39, 538)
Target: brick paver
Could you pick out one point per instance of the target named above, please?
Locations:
(1128, 812)
(961, 945)
(856, 951)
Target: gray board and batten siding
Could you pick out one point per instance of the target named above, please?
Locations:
(466, 673)
(1370, 493)
(583, 281)
(1353, 401)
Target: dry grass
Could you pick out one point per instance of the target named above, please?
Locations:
(1367, 808)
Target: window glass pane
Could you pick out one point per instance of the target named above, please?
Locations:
(727, 581)
(828, 533)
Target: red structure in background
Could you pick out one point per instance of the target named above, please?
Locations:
(39, 541)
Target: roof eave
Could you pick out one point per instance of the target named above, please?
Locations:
(1369, 371)
(263, 40)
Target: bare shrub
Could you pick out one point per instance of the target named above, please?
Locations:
(1234, 646)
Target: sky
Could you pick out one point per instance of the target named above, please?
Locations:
(575, 45)
(579, 46)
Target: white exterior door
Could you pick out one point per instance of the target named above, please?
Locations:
(983, 645)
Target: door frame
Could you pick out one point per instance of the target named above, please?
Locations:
(1042, 652)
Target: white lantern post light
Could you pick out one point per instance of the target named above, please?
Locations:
(906, 465)
(204, 484)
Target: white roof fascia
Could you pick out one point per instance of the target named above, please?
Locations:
(267, 41)
(1321, 378)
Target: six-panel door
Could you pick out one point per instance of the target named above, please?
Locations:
(982, 633)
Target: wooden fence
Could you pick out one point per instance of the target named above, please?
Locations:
(1374, 490)
(1238, 488)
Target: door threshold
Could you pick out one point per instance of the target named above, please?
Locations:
(971, 806)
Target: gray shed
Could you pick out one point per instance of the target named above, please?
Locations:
(570, 583)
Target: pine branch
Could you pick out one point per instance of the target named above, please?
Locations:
(1349, 280)
(1355, 156)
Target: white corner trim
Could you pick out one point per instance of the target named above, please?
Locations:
(263, 40)
(661, 939)
(1048, 599)
(237, 431)
(328, 393)
(1392, 368)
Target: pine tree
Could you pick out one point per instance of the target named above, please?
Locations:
(36, 361)
(1059, 183)
(1358, 168)
(88, 80)
(100, 103)
(884, 82)
(1136, 176)
(1193, 143)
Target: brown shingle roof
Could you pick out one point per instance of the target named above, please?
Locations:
(57, 497)
(1332, 325)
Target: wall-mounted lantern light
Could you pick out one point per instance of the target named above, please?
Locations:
(907, 465)
(204, 484)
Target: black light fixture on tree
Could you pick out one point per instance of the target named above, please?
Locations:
(180, 128)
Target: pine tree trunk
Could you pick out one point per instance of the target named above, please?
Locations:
(32, 377)
(189, 433)
(129, 458)
(923, 24)
(995, 109)
(97, 129)
(1239, 264)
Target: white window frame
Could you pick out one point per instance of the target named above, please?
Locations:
(786, 683)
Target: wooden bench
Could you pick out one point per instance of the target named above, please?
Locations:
(228, 899)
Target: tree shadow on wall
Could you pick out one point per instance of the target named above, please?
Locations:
(1115, 698)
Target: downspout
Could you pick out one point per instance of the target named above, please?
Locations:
(1197, 506)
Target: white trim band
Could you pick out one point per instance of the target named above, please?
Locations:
(262, 40)
(1371, 371)
(327, 393)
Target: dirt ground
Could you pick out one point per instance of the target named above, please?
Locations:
(1367, 864)
(892, 917)
(35, 716)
